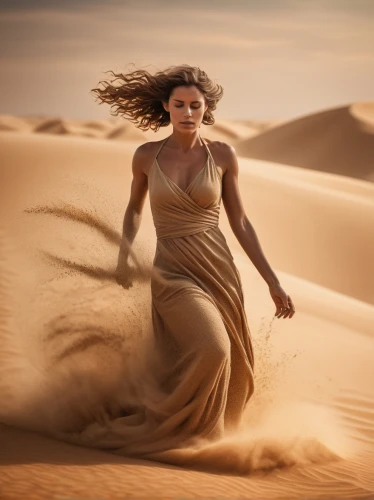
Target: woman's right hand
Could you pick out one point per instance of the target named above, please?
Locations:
(124, 275)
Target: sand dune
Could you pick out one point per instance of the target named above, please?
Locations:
(340, 183)
(9, 123)
(95, 474)
(337, 141)
(363, 112)
(63, 320)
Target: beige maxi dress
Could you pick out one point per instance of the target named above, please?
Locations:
(199, 324)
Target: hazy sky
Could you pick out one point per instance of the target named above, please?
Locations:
(276, 59)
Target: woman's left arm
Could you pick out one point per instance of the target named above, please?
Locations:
(246, 235)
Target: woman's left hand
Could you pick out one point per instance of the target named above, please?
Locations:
(283, 302)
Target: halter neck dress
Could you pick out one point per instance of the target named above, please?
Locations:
(199, 324)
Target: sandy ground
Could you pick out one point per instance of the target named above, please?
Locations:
(309, 429)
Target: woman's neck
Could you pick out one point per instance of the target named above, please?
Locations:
(184, 142)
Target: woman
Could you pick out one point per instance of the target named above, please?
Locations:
(198, 315)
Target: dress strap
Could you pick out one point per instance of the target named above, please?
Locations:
(161, 145)
(213, 163)
(207, 149)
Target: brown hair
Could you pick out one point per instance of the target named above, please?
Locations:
(139, 98)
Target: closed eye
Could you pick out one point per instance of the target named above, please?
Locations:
(193, 107)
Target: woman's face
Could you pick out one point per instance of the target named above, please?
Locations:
(186, 107)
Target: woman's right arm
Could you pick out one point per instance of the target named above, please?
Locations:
(133, 214)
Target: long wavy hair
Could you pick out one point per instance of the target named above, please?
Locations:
(140, 95)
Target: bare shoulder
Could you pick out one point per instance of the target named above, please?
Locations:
(223, 154)
(148, 149)
(144, 156)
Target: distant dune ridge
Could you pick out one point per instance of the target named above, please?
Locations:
(116, 128)
(75, 347)
(340, 141)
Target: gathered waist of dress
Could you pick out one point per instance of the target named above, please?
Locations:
(182, 230)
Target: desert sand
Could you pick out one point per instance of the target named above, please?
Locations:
(70, 337)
